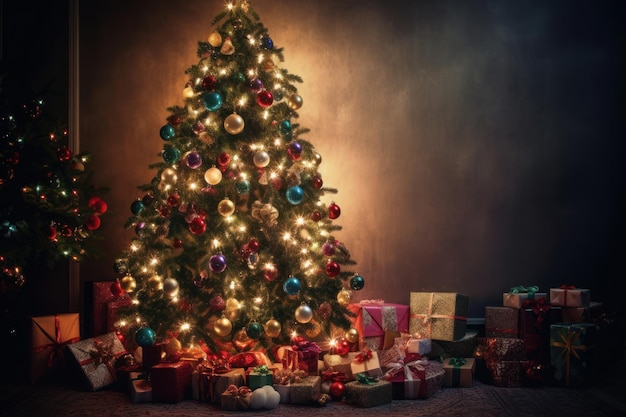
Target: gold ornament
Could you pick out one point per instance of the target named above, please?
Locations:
(242, 341)
(231, 310)
(314, 330)
(215, 39)
(344, 296)
(226, 207)
(173, 346)
(170, 287)
(317, 158)
(188, 92)
(272, 328)
(227, 47)
(155, 283)
(294, 102)
(128, 283)
(213, 176)
(223, 327)
(234, 124)
(352, 335)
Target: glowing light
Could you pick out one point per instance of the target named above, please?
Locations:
(215, 243)
(278, 142)
(242, 101)
(230, 6)
(287, 236)
(232, 285)
(300, 221)
(185, 327)
(294, 334)
(258, 300)
(242, 228)
(193, 186)
(122, 323)
(154, 261)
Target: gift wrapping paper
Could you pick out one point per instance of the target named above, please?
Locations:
(283, 378)
(236, 398)
(340, 363)
(507, 373)
(497, 349)
(535, 331)
(420, 346)
(306, 390)
(501, 322)
(431, 374)
(368, 394)
(572, 353)
(140, 388)
(459, 372)
(366, 362)
(438, 315)
(569, 296)
(212, 385)
(112, 308)
(151, 355)
(462, 348)
(100, 297)
(48, 337)
(258, 379)
(375, 317)
(405, 381)
(171, 381)
(515, 299)
(585, 314)
(96, 357)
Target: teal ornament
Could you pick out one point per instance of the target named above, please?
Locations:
(285, 127)
(167, 132)
(145, 337)
(212, 101)
(295, 194)
(137, 207)
(240, 77)
(291, 286)
(254, 330)
(243, 187)
(171, 155)
(357, 282)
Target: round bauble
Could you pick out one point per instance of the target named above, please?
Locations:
(270, 272)
(234, 124)
(303, 314)
(173, 346)
(291, 286)
(170, 287)
(217, 303)
(343, 297)
(357, 282)
(222, 327)
(334, 211)
(313, 330)
(128, 283)
(213, 176)
(136, 207)
(242, 341)
(215, 39)
(325, 310)
(212, 101)
(145, 336)
(167, 132)
(342, 346)
(197, 226)
(171, 155)
(332, 269)
(294, 102)
(217, 263)
(352, 335)
(328, 248)
(272, 328)
(226, 207)
(93, 222)
(264, 99)
(155, 283)
(295, 194)
(337, 390)
(261, 159)
(254, 330)
(209, 83)
(193, 160)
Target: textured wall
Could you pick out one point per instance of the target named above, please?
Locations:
(476, 145)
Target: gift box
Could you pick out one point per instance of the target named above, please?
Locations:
(497, 349)
(462, 348)
(569, 296)
(304, 354)
(431, 374)
(96, 358)
(97, 296)
(572, 353)
(123, 376)
(340, 363)
(171, 381)
(112, 312)
(438, 315)
(419, 346)
(535, 330)
(211, 385)
(375, 317)
(306, 390)
(49, 335)
(366, 362)
(368, 393)
(140, 388)
(151, 355)
(517, 295)
(501, 321)
(507, 373)
(459, 372)
(259, 376)
(283, 378)
(586, 314)
(236, 398)
(405, 381)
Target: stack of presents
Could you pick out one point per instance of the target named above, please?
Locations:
(403, 352)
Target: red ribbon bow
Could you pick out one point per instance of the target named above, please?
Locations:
(57, 346)
(364, 356)
(334, 376)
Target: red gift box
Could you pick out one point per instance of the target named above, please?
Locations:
(112, 308)
(171, 382)
(405, 380)
(375, 317)
(101, 296)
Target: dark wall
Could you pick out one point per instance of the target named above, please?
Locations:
(476, 145)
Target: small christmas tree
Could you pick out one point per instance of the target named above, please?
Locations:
(49, 211)
(234, 246)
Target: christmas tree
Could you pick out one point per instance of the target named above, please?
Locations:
(233, 244)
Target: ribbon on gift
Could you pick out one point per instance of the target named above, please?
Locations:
(456, 364)
(287, 376)
(570, 345)
(307, 352)
(374, 301)
(427, 319)
(520, 289)
(57, 345)
(102, 354)
(334, 376)
(566, 287)
(539, 306)
(261, 369)
(364, 378)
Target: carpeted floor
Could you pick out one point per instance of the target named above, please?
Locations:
(480, 400)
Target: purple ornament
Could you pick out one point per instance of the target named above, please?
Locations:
(193, 160)
(295, 149)
(217, 263)
(328, 248)
(256, 85)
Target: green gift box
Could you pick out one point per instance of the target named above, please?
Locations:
(572, 353)
(259, 377)
(368, 394)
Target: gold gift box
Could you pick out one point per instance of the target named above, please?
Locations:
(438, 315)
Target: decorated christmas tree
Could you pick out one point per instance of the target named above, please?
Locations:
(234, 244)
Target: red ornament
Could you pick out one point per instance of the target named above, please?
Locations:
(52, 233)
(173, 200)
(174, 120)
(120, 337)
(164, 211)
(223, 160)
(277, 183)
(317, 182)
(253, 245)
(66, 231)
(209, 83)
(177, 243)
(334, 211)
(270, 273)
(217, 303)
(101, 206)
(316, 216)
(197, 226)
(337, 390)
(93, 222)
(116, 289)
(332, 269)
(64, 154)
(264, 99)
(342, 347)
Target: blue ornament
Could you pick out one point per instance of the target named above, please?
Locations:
(291, 286)
(217, 263)
(357, 282)
(285, 127)
(243, 187)
(254, 330)
(145, 337)
(266, 42)
(171, 155)
(295, 194)
(212, 101)
(137, 207)
(167, 132)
